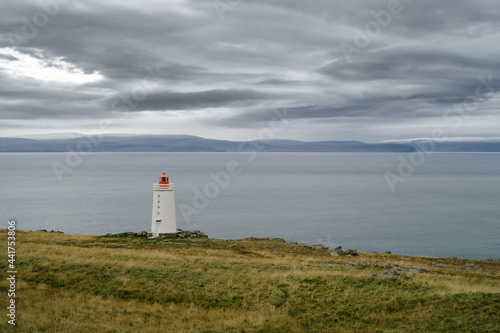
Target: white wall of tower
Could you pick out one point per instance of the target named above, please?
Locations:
(163, 211)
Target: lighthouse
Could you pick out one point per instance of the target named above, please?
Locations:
(163, 220)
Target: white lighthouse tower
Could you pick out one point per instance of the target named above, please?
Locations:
(163, 221)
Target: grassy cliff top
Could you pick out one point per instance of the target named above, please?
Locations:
(78, 283)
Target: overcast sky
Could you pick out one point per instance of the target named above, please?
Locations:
(338, 70)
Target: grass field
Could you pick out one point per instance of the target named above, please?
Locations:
(77, 283)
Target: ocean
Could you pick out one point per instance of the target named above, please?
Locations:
(442, 204)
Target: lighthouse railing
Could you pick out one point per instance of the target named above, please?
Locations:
(164, 187)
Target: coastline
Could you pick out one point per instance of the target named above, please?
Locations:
(199, 234)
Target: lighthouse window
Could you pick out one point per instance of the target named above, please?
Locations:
(158, 195)
(158, 206)
(158, 201)
(158, 213)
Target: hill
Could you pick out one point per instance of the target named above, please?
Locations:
(186, 143)
(470, 145)
(125, 283)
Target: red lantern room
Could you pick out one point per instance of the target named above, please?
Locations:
(163, 179)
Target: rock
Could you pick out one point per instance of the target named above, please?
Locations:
(353, 253)
(232, 245)
(469, 265)
(168, 235)
(406, 258)
(43, 230)
(393, 267)
(442, 265)
(149, 235)
(316, 246)
(387, 252)
(395, 274)
(335, 254)
(291, 243)
(432, 263)
(281, 240)
(330, 265)
(415, 270)
(337, 250)
(180, 233)
(192, 234)
(397, 268)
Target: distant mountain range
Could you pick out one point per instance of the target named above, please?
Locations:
(491, 145)
(187, 143)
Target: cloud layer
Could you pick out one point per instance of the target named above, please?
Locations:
(363, 69)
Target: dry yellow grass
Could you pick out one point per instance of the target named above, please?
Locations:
(77, 283)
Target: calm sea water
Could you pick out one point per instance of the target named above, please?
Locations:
(450, 206)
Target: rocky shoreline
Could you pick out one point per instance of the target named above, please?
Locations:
(338, 251)
(145, 234)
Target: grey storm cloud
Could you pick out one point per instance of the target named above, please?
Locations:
(8, 57)
(319, 59)
(168, 100)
